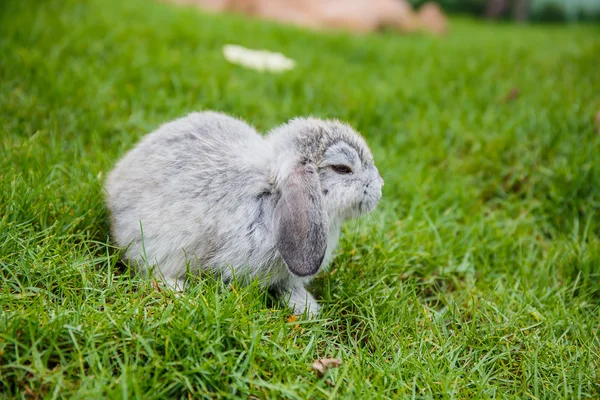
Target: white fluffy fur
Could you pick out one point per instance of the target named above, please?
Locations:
(201, 193)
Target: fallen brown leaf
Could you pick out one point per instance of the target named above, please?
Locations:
(597, 121)
(323, 365)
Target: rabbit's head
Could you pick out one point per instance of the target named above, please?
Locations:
(325, 174)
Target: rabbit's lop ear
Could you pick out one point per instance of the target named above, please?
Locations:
(300, 226)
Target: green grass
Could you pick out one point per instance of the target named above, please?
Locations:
(478, 276)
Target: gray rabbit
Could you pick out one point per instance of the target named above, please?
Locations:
(207, 193)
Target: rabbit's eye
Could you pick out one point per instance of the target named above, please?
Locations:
(342, 169)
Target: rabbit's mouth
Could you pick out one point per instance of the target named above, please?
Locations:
(368, 204)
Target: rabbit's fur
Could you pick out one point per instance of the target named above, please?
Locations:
(208, 193)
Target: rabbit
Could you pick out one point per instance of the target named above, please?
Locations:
(207, 193)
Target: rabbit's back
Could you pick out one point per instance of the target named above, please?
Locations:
(196, 190)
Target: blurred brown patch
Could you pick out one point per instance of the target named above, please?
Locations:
(352, 15)
(512, 95)
(432, 17)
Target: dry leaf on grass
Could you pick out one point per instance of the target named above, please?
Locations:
(597, 121)
(323, 365)
(260, 60)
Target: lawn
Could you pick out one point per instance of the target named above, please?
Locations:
(478, 276)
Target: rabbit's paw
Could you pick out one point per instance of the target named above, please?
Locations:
(301, 301)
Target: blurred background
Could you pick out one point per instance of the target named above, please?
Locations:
(525, 10)
(406, 16)
(365, 15)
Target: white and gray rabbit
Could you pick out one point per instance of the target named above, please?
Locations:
(207, 193)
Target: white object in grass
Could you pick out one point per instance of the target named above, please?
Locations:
(260, 60)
